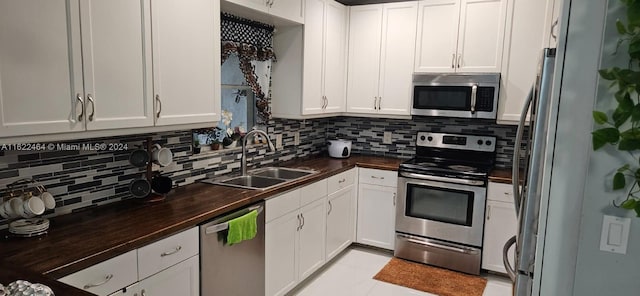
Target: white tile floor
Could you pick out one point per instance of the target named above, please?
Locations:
(351, 274)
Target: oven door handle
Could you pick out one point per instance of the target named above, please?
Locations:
(439, 245)
(442, 179)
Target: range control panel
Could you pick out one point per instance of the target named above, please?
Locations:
(456, 141)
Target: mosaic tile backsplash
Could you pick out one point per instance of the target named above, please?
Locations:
(79, 179)
(366, 134)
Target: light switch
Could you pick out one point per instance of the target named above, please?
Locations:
(615, 234)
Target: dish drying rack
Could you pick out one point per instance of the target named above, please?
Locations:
(25, 227)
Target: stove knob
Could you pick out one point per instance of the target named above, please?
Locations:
(422, 138)
(430, 138)
(480, 142)
(488, 143)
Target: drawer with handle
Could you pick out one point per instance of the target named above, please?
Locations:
(167, 252)
(106, 277)
(341, 180)
(500, 192)
(378, 177)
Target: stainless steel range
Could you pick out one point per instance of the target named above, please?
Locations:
(442, 196)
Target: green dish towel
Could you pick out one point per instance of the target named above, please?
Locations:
(242, 228)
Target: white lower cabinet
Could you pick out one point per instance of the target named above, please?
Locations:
(500, 225)
(340, 214)
(377, 208)
(181, 279)
(295, 241)
(170, 266)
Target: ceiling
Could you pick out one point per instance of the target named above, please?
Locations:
(361, 2)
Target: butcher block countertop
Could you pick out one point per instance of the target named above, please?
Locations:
(79, 240)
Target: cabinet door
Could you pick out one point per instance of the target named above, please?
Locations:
(335, 69)
(312, 238)
(116, 51)
(500, 225)
(40, 67)
(340, 212)
(281, 249)
(365, 27)
(396, 57)
(186, 61)
(437, 36)
(313, 61)
(106, 277)
(180, 279)
(288, 9)
(376, 216)
(523, 47)
(481, 35)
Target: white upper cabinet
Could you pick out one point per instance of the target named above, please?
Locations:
(528, 32)
(324, 67)
(460, 36)
(287, 9)
(290, 10)
(186, 59)
(116, 50)
(381, 51)
(40, 68)
(437, 36)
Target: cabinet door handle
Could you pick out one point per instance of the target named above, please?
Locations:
(374, 177)
(553, 33)
(342, 181)
(453, 61)
(302, 216)
(159, 106)
(459, 60)
(143, 293)
(175, 250)
(106, 280)
(375, 106)
(81, 102)
(394, 199)
(488, 212)
(93, 107)
(299, 222)
(330, 208)
(379, 103)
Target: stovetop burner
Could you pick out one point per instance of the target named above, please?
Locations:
(452, 155)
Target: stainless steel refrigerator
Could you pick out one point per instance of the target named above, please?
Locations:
(531, 157)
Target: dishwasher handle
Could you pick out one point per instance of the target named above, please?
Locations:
(224, 224)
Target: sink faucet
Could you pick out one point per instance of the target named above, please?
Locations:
(244, 147)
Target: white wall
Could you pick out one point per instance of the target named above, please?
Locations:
(598, 272)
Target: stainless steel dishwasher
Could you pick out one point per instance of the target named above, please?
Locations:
(236, 270)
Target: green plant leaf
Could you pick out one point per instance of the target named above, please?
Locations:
(600, 117)
(618, 181)
(632, 133)
(629, 144)
(604, 136)
(629, 204)
(623, 168)
(620, 27)
(620, 115)
(637, 209)
(607, 74)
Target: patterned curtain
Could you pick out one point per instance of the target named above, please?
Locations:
(251, 41)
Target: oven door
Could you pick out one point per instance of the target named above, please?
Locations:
(440, 210)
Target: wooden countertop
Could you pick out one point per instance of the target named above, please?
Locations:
(79, 240)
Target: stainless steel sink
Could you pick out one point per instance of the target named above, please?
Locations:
(263, 178)
(281, 173)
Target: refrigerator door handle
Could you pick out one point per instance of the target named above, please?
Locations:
(515, 171)
(505, 258)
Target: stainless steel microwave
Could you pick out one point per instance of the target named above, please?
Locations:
(456, 95)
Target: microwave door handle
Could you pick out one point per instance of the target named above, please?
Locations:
(474, 93)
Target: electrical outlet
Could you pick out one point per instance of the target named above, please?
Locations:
(387, 138)
(278, 141)
(296, 138)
